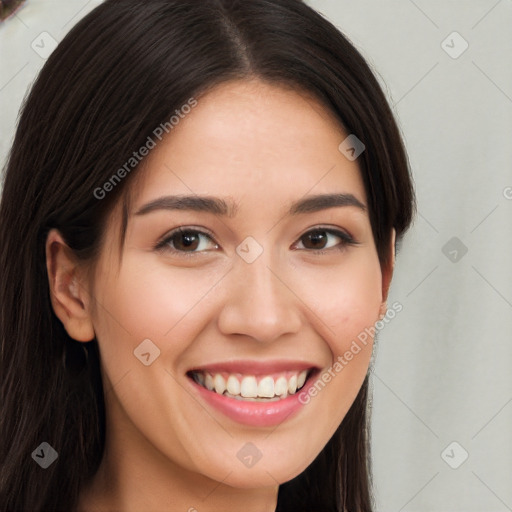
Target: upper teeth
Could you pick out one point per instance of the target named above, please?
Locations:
(248, 386)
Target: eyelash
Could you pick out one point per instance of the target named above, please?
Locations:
(163, 245)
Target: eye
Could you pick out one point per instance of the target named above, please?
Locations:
(185, 241)
(318, 240)
(188, 241)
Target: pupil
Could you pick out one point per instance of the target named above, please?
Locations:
(188, 239)
(317, 237)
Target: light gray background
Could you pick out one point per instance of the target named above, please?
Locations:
(442, 372)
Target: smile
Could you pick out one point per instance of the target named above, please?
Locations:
(264, 388)
(254, 393)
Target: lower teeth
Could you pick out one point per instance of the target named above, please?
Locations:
(238, 397)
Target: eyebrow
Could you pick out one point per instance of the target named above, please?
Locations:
(219, 206)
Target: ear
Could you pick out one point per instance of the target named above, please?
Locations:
(387, 274)
(69, 297)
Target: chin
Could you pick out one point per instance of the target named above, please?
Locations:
(260, 475)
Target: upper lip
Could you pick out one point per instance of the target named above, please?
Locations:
(255, 367)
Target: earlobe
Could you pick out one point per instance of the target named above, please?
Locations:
(387, 274)
(69, 299)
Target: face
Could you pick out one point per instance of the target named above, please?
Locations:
(265, 289)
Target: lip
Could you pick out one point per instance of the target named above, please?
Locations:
(255, 414)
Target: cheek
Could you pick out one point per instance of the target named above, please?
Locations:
(145, 304)
(345, 298)
(161, 304)
(345, 305)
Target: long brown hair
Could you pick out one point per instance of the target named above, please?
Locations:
(120, 72)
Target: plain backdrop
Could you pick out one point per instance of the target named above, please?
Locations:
(442, 385)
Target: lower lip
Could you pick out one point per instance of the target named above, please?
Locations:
(258, 414)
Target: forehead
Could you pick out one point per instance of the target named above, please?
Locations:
(252, 141)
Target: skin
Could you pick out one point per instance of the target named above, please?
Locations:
(262, 146)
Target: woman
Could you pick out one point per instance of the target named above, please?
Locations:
(203, 199)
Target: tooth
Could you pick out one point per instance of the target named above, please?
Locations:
(219, 383)
(233, 385)
(292, 384)
(249, 387)
(302, 378)
(266, 387)
(257, 399)
(281, 386)
(208, 381)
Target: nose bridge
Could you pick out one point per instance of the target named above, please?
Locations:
(258, 302)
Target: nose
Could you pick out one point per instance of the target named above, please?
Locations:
(259, 302)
